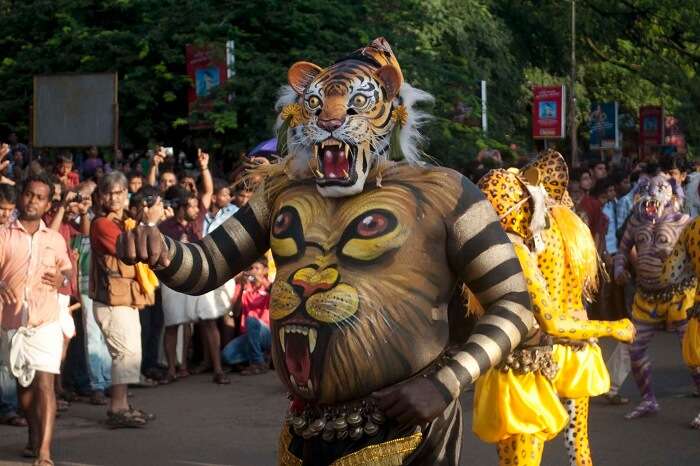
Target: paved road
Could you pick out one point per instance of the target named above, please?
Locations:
(203, 424)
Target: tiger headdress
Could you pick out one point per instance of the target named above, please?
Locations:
(336, 123)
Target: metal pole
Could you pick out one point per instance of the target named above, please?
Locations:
(484, 119)
(573, 157)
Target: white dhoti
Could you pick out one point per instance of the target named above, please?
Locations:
(34, 349)
(180, 308)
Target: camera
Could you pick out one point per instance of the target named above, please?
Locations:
(168, 204)
(78, 198)
(168, 151)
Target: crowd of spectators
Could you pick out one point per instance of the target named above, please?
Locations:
(120, 328)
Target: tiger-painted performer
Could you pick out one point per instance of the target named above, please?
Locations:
(516, 405)
(653, 228)
(682, 265)
(369, 253)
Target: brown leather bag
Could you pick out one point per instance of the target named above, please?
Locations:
(114, 283)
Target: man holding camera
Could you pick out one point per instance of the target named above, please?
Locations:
(117, 296)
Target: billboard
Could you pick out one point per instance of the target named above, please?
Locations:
(651, 126)
(75, 110)
(674, 135)
(208, 67)
(603, 121)
(548, 112)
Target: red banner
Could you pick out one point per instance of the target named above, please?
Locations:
(207, 68)
(651, 126)
(674, 135)
(548, 112)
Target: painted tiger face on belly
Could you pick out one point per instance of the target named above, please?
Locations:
(357, 290)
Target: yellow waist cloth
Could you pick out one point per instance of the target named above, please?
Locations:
(691, 343)
(581, 373)
(655, 311)
(506, 404)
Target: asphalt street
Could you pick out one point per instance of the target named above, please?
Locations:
(200, 423)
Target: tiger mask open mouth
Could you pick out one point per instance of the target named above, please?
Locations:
(339, 164)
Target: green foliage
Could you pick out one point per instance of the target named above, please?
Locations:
(636, 52)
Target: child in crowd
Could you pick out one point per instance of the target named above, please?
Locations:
(252, 302)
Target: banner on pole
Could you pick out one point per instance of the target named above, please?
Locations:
(674, 135)
(208, 67)
(548, 112)
(603, 121)
(651, 126)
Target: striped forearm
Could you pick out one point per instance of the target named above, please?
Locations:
(196, 268)
(484, 258)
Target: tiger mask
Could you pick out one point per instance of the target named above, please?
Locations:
(340, 119)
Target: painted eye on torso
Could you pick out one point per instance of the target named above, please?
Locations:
(287, 235)
(372, 225)
(282, 223)
(371, 235)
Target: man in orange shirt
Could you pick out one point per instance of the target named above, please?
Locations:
(34, 263)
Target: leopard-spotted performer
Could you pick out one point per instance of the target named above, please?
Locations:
(517, 404)
(369, 253)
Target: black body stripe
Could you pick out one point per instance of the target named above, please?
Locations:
(480, 242)
(496, 334)
(478, 353)
(444, 392)
(247, 218)
(196, 272)
(227, 248)
(501, 272)
(175, 262)
(460, 372)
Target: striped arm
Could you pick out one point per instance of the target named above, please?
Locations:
(482, 255)
(196, 268)
(621, 259)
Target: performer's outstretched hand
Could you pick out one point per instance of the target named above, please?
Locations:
(417, 401)
(145, 242)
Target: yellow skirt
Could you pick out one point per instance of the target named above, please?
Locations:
(656, 311)
(507, 404)
(581, 373)
(691, 343)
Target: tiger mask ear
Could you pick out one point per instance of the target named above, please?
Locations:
(301, 74)
(392, 80)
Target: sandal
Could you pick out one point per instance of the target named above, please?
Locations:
(254, 369)
(616, 399)
(14, 421)
(62, 405)
(696, 423)
(98, 398)
(182, 373)
(125, 419)
(145, 382)
(147, 416)
(221, 379)
(201, 369)
(29, 452)
(43, 462)
(168, 379)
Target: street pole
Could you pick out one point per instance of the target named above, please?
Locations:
(573, 157)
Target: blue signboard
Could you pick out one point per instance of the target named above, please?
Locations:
(603, 122)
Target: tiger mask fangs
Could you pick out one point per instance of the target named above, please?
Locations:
(338, 122)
